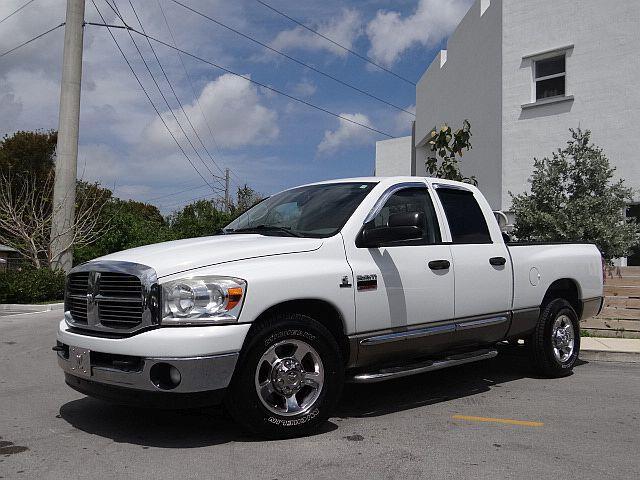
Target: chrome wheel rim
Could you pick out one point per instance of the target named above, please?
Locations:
(563, 338)
(289, 377)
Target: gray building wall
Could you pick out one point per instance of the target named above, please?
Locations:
(467, 85)
(393, 157)
(486, 75)
(603, 72)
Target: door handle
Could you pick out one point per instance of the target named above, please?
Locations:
(439, 264)
(497, 261)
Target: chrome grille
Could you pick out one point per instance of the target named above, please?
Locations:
(76, 297)
(111, 296)
(119, 313)
(120, 285)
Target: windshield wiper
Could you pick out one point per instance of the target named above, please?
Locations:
(265, 228)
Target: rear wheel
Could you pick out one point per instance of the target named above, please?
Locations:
(289, 377)
(555, 343)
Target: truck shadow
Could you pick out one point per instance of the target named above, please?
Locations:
(372, 400)
(212, 426)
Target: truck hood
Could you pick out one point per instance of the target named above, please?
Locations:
(180, 255)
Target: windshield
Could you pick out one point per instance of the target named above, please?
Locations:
(312, 211)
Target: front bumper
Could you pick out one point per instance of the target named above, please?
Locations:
(163, 342)
(199, 374)
(144, 398)
(205, 358)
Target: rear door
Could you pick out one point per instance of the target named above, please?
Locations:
(483, 271)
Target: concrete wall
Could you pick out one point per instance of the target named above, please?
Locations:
(393, 157)
(486, 75)
(603, 72)
(465, 82)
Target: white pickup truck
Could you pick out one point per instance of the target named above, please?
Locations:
(358, 280)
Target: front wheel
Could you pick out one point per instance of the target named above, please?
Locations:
(289, 377)
(555, 343)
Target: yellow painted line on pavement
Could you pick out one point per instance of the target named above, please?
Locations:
(507, 421)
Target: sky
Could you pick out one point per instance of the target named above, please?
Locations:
(269, 141)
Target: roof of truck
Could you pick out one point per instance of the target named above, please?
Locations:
(392, 180)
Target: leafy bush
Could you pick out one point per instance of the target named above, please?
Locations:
(574, 197)
(198, 219)
(31, 285)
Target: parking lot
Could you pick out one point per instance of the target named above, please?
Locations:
(485, 420)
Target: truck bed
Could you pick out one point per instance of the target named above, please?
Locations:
(537, 265)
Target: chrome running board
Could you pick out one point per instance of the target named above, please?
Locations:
(425, 366)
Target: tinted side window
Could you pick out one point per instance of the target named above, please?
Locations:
(407, 201)
(464, 215)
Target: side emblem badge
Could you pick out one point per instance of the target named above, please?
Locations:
(345, 282)
(367, 282)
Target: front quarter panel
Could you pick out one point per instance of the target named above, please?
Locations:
(276, 279)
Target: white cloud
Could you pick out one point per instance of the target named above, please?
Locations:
(232, 106)
(344, 29)
(347, 134)
(304, 89)
(402, 122)
(120, 142)
(390, 34)
(10, 109)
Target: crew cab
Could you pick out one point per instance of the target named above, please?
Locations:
(358, 280)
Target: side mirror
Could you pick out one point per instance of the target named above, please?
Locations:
(400, 227)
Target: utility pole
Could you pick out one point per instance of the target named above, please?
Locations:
(227, 199)
(64, 190)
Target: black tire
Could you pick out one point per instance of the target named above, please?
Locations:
(541, 343)
(243, 400)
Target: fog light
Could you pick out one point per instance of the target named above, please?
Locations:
(174, 375)
(165, 376)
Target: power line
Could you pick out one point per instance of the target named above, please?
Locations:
(149, 98)
(273, 89)
(186, 202)
(175, 193)
(31, 40)
(153, 78)
(299, 62)
(174, 92)
(193, 90)
(117, 12)
(115, 9)
(17, 10)
(347, 49)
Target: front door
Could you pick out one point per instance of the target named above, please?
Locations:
(405, 286)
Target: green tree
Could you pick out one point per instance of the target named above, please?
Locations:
(198, 219)
(27, 161)
(574, 198)
(129, 224)
(246, 198)
(28, 153)
(448, 145)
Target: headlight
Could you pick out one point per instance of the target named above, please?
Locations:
(202, 300)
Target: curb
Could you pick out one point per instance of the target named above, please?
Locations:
(604, 349)
(26, 308)
(610, 356)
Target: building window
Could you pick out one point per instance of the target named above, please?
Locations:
(550, 77)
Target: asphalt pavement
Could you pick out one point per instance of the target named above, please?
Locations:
(490, 420)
